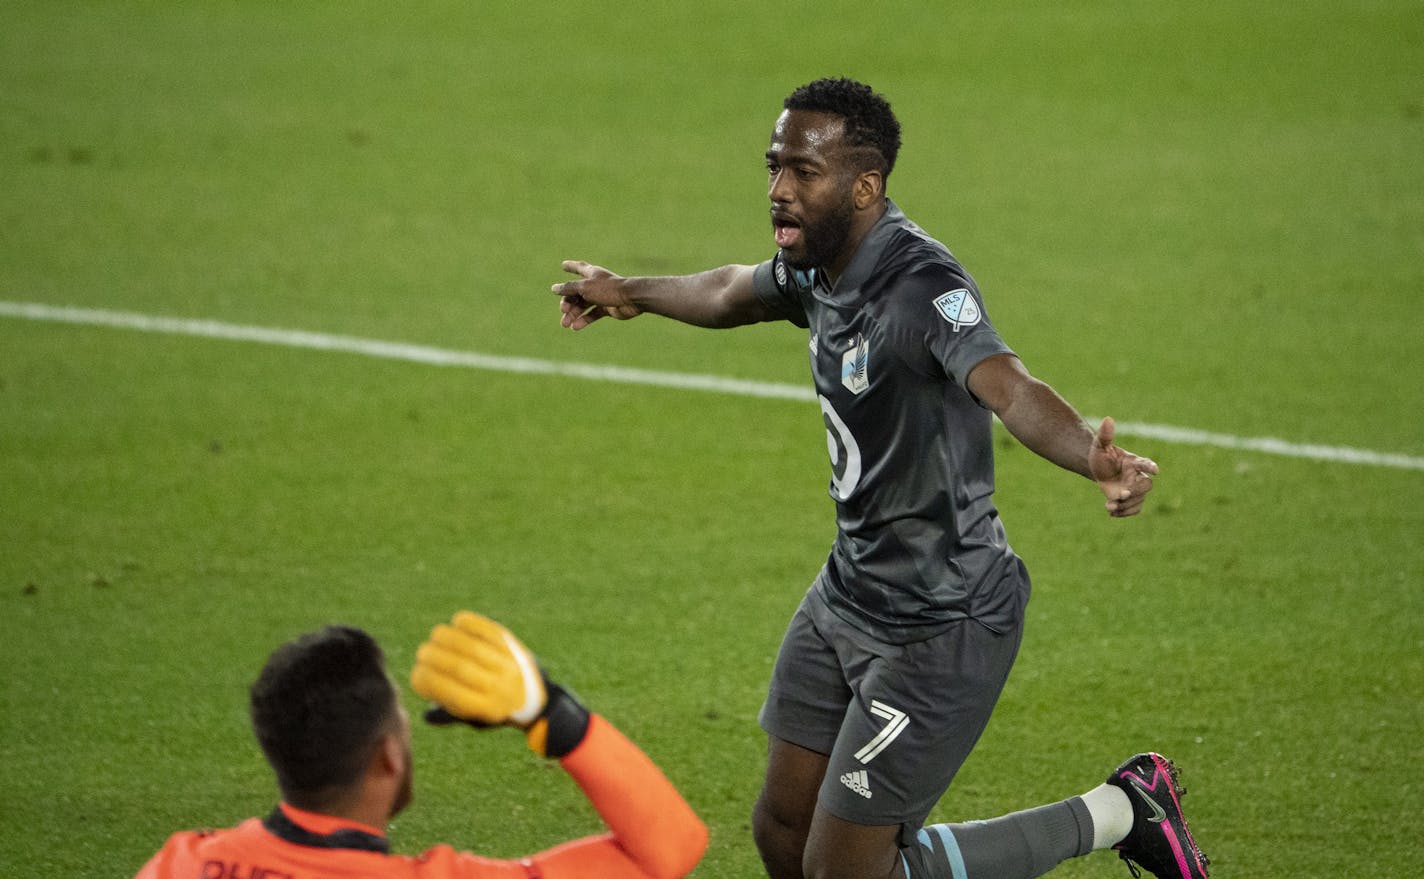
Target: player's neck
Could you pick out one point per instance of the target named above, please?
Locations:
(861, 225)
(370, 802)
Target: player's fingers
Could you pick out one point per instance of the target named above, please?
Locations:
(1105, 433)
(489, 632)
(585, 270)
(576, 312)
(478, 626)
(435, 663)
(463, 639)
(504, 659)
(1129, 506)
(455, 647)
(581, 319)
(432, 684)
(454, 696)
(1134, 484)
(452, 679)
(570, 290)
(445, 659)
(571, 308)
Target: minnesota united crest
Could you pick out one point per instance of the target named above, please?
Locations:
(855, 366)
(959, 308)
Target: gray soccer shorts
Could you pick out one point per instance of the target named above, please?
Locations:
(898, 720)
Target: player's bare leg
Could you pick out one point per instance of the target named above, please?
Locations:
(840, 849)
(781, 820)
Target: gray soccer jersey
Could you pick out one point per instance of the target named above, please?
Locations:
(919, 541)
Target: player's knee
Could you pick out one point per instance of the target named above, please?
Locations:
(777, 829)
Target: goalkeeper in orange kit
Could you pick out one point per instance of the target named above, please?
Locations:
(329, 720)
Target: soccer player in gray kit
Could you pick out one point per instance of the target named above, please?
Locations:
(892, 664)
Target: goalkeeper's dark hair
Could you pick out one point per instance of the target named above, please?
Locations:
(319, 709)
(870, 125)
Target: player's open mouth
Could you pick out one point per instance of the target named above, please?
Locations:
(787, 230)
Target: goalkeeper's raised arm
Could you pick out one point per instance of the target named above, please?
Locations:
(476, 670)
(329, 719)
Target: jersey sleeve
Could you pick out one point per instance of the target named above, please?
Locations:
(781, 288)
(652, 831)
(941, 325)
(649, 820)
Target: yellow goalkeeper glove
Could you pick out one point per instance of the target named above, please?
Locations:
(477, 671)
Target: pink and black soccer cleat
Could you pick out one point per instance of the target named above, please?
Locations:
(1159, 842)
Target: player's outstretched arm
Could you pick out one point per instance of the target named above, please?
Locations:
(1044, 422)
(717, 298)
(477, 671)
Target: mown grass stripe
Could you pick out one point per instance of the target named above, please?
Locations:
(627, 375)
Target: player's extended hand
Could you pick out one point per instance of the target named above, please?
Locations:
(597, 294)
(476, 670)
(1124, 478)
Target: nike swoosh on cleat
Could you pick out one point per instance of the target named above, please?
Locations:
(1158, 813)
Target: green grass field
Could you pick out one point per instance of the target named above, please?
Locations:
(1208, 217)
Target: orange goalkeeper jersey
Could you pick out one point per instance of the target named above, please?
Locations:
(653, 834)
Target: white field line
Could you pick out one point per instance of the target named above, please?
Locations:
(679, 380)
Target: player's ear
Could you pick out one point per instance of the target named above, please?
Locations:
(392, 751)
(868, 189)
(390, 755)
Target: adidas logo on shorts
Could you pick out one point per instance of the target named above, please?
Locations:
(858, 781)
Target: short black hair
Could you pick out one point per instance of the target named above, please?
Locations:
(319, 707)
(870, 124)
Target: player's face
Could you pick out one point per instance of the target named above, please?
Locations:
(809, 181)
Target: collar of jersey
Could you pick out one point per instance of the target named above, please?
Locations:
(315, 830)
